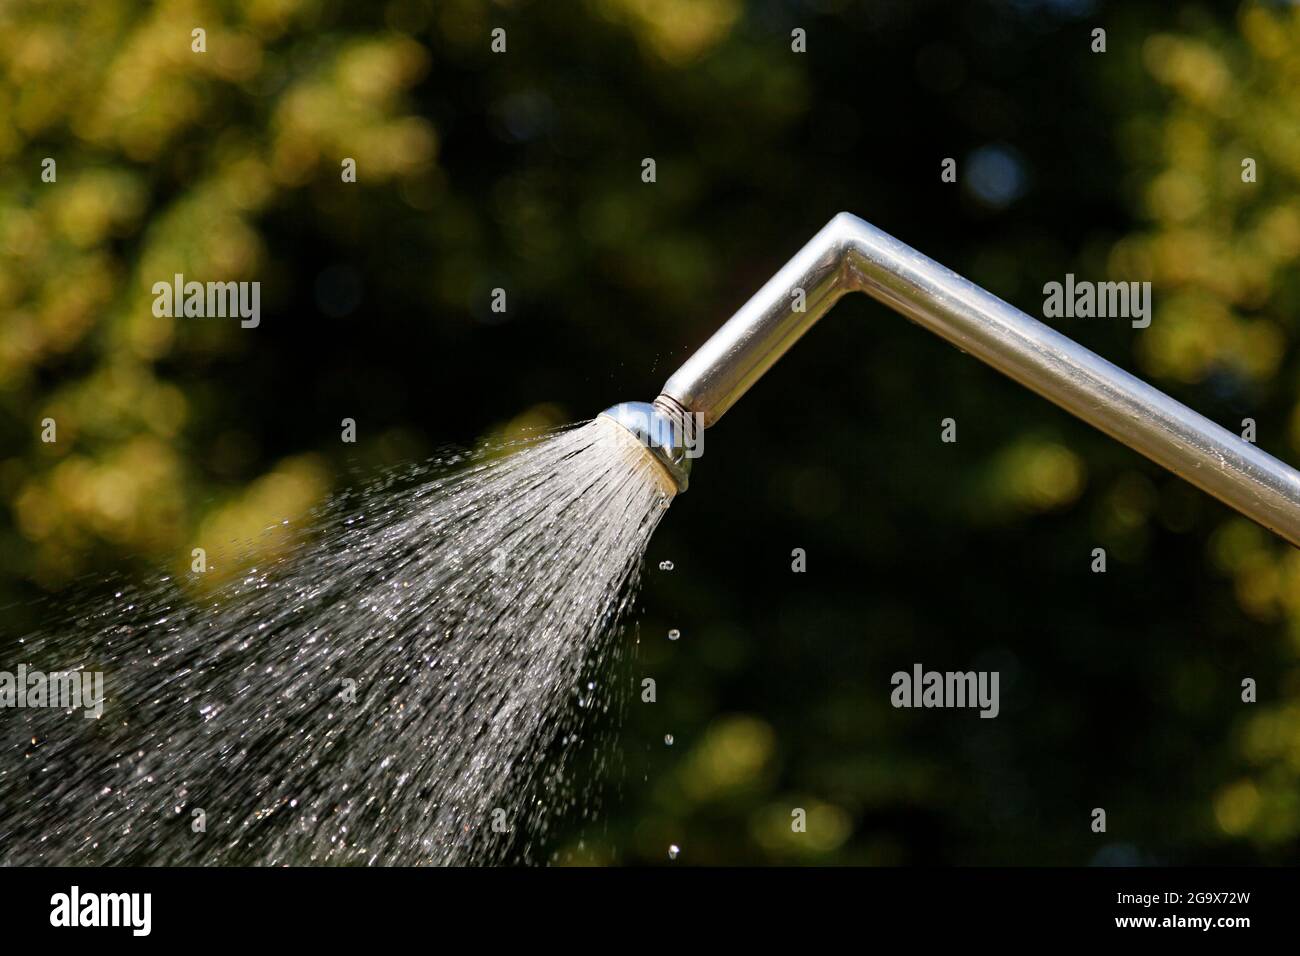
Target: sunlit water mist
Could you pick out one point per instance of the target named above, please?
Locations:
(476, 612)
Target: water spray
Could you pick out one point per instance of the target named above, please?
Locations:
(850, 255)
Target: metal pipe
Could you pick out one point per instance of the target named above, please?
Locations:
(850, 255)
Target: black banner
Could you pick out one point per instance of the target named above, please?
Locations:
(335, 906)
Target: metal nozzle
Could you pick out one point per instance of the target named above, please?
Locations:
(661, 430)
(850, 255)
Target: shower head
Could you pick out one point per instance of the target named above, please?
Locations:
(850, 255)
(661, 430)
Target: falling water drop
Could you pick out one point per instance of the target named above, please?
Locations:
(673, 850)
(665, 565)
(674, 634)
(668, 740)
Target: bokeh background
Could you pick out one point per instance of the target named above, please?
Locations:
(523, 171)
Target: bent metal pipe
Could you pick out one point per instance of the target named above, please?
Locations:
(850, 255)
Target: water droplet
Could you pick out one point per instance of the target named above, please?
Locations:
(673, 850)
(668, 739)
(665, 565)
(674, 634)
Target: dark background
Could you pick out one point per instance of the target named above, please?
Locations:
(522, 171)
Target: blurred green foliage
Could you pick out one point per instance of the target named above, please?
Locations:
(522, 171)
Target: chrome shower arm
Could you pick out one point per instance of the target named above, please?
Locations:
(850, 255)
